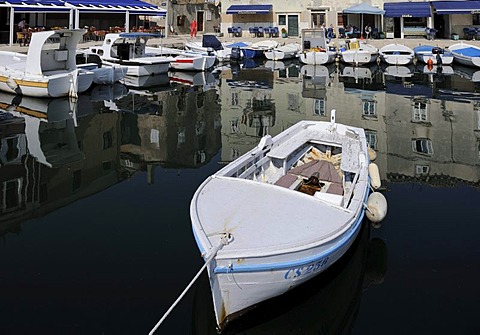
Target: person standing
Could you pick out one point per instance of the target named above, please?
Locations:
(193, 28)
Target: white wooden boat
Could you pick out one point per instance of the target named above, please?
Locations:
(432, 54)
(466, 54)
(315, 50)
(282, 213)
(258, 49)
(396, 54)
(282, 52)
(128, 50)
(358, 53)
(48, 69)
(183, 59)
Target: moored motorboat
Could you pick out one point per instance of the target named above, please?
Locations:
(128, 51)
(358, 53)
(210, 43)
(48, 69)
(185, 60)
(466, 54)
(433, 55)
(102, 74)
(298, 206)
(282, 52)
(258, 49)
(396, 54)
(315, 50)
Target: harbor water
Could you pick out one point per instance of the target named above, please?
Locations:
(95, 224)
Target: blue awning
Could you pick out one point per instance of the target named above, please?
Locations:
(42, 6)
(249, 9)
(457, 7)
(116, 6)
(407, 9)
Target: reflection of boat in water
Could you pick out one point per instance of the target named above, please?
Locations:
(204, 79)
(328, 302)
(434, 69)
(358, 72)
(146, 81)
(470, 73)
(108, 92)
(50, 124)
(280, 64)
(315, 80)
(398, 71)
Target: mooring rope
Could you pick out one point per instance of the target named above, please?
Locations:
(226, 239)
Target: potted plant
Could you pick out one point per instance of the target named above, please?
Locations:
(284, 32)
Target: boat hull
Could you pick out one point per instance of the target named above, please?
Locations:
(317, 57)
(43, 86)
(274, 280)
(358, 57)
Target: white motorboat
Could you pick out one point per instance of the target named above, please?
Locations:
(48, 69)
(315, 50)
(128, 50)
(282, 52)
(299, 200)
(396, 54)
(258, 49)
(434, 55)
(185, 60)
(103, 74)
(358, 53)
(210, 43)
(466, 54)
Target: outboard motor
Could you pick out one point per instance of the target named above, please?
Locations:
(210, 51)
(236, 54)
(437, 51)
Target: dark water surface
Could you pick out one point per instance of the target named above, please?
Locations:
(94, 217)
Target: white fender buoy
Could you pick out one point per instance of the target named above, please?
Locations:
(12, 83)
(376, 207)
(372, 154)
(374, 173)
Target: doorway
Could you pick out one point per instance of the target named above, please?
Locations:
(293, 25)
(200, 20)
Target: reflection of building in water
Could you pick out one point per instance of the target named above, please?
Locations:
(178, 128)
(432, 140)
(47, 165)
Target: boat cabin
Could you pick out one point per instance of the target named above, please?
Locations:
(124, 46)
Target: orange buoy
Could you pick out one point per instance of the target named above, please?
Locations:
(430, 64)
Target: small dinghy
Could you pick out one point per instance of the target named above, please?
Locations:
(358, 53)
(287, 51)
(396, 54)
(429, 54)
(283, 213)
(466, 54)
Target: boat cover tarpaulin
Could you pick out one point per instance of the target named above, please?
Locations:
(470, 52)
(407, 9)
(211, 41)
(249, 9)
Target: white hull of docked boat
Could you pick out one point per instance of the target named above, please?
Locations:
(45, 71)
